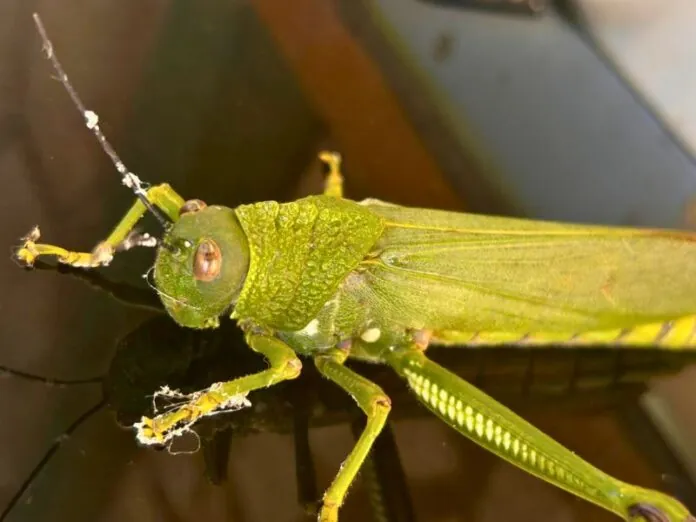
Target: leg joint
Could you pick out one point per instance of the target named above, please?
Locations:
(292, 368)
(159, 189)
(382, 403)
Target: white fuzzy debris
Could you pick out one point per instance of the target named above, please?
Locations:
(48, 49)
(233, 403)
(91, 119)
(120, 167)
(169, 393)
(135, 239)
(33, 235)
(371, 335)
(131, 181)
(102, 254)
(148, 241)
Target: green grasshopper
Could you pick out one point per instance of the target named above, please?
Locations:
(328, 278)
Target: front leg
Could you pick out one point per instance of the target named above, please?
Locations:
(121, 238)
(221, 396)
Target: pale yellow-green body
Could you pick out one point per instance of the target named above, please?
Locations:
(333, 279)
(467, 279)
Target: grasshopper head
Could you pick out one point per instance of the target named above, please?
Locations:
(201, 264)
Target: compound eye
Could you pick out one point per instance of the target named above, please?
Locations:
(191, 206)
(208, 261)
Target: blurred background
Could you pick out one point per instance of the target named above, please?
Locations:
(568, 110)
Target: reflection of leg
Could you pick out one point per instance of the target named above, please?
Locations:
(128, 294)
(304, 463)
(221, 396)
(333, 186)
(122, 237)
(376, 405)
(383, 476)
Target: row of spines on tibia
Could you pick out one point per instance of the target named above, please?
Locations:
(496, 428)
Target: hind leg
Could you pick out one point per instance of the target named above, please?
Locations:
(333, 186)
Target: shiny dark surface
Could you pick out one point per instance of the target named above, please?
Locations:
(230, 102)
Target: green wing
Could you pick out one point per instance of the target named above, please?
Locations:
(466, 275)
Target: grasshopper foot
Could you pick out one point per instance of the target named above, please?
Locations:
(27, 253)
(164, 428)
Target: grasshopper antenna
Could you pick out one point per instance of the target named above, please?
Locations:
(129, 179)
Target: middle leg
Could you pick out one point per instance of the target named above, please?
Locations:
(376, 405)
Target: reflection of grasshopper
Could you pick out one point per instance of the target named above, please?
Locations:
(159, 353)
(187, 359)
(332, 279)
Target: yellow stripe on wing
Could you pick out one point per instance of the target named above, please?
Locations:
(679, 333)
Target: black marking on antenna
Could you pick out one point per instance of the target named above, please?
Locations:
(129, 179)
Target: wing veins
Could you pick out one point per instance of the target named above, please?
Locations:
(482, 290)
(588, 231)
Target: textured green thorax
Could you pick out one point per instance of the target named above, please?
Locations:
(300, 253)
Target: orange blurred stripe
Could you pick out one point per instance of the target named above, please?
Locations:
(384, 152)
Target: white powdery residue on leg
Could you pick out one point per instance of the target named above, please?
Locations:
(232, 403)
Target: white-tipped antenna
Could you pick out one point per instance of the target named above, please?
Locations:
(129, 179)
